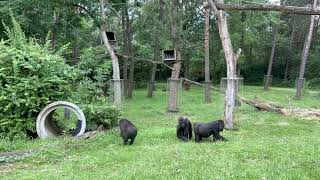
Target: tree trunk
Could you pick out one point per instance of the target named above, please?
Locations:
(156, 51)
(125, 43)
(53, 31)
(174, 81)
(114, 58)
(231, 65)
(75, 52)
(290, 56)
(207, 98)
(129, 39)
(186, 64)
(305, 54)
(268, 78)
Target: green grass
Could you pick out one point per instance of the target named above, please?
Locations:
(265, 146)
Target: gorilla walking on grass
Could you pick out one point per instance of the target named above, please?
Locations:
(204, 130)
(184, 129)
(128, 131)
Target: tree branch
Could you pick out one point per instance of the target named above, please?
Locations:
(265, 7)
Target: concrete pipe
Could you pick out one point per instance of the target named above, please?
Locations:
(47, 128)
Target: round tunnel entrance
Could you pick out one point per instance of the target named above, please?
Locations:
(46, 127)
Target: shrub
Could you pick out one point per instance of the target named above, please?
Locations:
(94, 71)
(97, 109)
(31, 76)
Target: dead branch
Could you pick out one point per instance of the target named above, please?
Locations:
(199, 84)
(268, 7)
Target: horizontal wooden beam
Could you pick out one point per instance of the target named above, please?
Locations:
(268, 7)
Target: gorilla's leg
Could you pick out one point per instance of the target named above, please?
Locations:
(131, 141)
(196, 133)
(215, 137)
(222, 138)
(125, 141)
(190, 131)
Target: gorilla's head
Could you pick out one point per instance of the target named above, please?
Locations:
(182, 121)
(221, 125)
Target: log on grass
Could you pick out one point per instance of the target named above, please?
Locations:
(262, 105)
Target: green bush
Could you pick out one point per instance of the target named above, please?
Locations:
(31, 77)
(97, 109)
(101, 112)
(94, 71)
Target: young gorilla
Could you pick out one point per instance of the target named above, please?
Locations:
(128, 131)
(207, 129)
(184, 129)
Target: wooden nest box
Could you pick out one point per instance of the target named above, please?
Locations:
(169, 55)
(111, 37)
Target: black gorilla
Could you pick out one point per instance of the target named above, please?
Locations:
(128, 131)
(207, 129)
(184, 129)
(78, 128)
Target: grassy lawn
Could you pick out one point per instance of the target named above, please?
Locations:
(266, 145)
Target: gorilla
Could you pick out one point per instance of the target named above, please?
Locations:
(204, 130)
(78, 128)
(128, 131)
(184, 129)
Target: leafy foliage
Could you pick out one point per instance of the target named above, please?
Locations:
(31, 76)
(94, 71)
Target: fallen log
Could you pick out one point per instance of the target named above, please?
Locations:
(262, 105)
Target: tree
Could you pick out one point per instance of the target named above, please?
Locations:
(230, 95)
(114, 58)
(125, 59)
(128, 37)
(174, 81)
(207, 56)
(290, 55)
(268, 78)
(156, 51)
(305, 54)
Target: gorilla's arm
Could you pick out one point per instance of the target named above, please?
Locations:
(196, 132)
(180, 134)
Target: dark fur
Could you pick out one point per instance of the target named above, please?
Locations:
(128, 131)
(184, 129)
(204, 130)
(78, 128)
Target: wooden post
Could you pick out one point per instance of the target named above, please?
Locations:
(305, 54)
(173, 87)
(268, 77)
(114, 58)
(207, 96)
(230, 95)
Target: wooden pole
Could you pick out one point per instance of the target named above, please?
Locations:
(207, 98)
(174, 81)
(114, 58)
(269, 7)
(305, 54)
(230, 95)
(268, 78)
